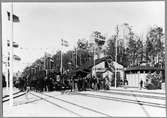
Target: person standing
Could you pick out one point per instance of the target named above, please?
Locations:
(72, 83)
(125, 83)
(141, 84)
(27, 91)
(95, 79)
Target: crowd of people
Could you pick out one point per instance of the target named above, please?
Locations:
(79, 83)
(85, 83)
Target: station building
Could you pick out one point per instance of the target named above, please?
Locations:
(135, 74)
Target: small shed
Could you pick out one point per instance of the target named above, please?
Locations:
(137, 73)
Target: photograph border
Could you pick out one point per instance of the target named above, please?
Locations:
(44, 1)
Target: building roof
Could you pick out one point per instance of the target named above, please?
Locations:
(143, 68)
(87, 68)
(117, 65)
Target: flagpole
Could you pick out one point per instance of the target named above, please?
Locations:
(6, 76)
(61, 63)
(11, 60)
(80, 59)
(45, 65)
(116, 58)
(76, 57)
(62, 59)
(7, 70)
(94, 60)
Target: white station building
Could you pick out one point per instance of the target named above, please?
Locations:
(109, 70)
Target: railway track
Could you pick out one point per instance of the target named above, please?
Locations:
(15, 95)
(53, 98)
(137, 91)
(5, 96)
(118, 99)
(133, 94)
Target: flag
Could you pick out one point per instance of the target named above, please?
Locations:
(82, 44)
(74, 52)
(64, 43)
(15, 45)
(15, 18)
(17, 58)
(98, 37)
(51, 60)
(47, 54)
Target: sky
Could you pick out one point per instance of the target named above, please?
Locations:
(43, 25)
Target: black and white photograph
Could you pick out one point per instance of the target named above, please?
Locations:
(83, 59)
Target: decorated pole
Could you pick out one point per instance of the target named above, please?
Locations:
(11, 59)
(63, 43)
(12, 18)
